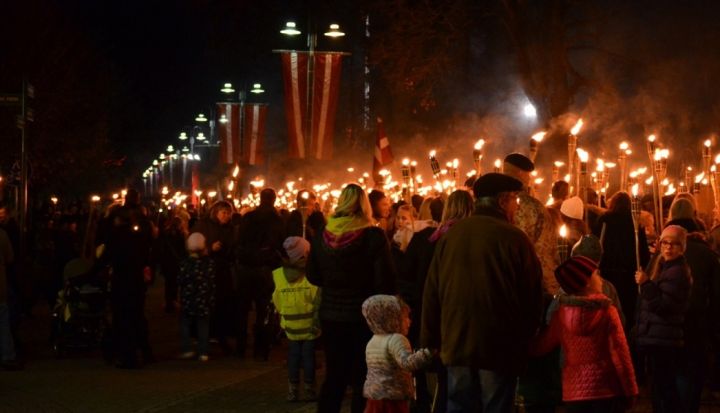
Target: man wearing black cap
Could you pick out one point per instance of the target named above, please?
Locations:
(484, 289)
(534, 219)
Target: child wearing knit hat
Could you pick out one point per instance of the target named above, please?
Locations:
(197, 296)
(298, 302)
(597, 374)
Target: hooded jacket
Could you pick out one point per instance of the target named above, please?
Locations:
(388, 354)
(349, 261)
(597, 359)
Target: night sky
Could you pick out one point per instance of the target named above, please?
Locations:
(119, 79)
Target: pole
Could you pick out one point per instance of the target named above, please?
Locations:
(23, 174)
(312, 40)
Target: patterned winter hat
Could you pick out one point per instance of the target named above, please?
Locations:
(574, 274)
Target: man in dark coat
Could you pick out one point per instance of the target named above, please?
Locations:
(260, 247)
(306, 220)
(128, 253)
(484, 288)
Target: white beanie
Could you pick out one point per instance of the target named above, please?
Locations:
(572, 207)
(296, 248)
(195, 242)
(677, 232)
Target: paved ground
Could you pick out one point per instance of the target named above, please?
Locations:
(82, 382)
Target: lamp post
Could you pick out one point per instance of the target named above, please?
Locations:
(292, 30)
(229, 92)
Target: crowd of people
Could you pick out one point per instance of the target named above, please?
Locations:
(472, 287)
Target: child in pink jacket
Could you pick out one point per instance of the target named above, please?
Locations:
(597, 372)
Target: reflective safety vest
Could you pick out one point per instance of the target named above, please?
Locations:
(297, 304)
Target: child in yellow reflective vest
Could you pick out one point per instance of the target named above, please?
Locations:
(298, 301)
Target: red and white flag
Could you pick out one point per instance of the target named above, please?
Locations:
(229, 132)
(254, 133)
(323, 100)
(383, 153)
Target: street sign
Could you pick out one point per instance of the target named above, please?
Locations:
(9, 99)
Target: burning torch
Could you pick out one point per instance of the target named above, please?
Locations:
(622, 160)
(434, 164)
(477, 156)
(534, 142)
(572, 146)
(635, 205)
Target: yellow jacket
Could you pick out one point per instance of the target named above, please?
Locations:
(297, 301)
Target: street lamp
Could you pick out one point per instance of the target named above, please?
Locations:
(234, 111)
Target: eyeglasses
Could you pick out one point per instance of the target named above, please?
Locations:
(665, 243)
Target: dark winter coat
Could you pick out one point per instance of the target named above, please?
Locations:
(596, 356)
(197, 286)
(483, 295)
(349, 273)
(663, 304)
(704, 263)
(128, 249)
(314, 225)
(262, 233)
(618, 263)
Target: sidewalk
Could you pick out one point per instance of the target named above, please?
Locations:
(82, 382)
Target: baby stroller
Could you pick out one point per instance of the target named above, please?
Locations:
(80, 318)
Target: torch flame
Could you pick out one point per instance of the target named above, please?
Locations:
(563, 231)
(624, 146)
(236, 171)
(432, 153)
(699, 178)
(651, 138)
(479, 144)
(498, 163)
(538, 137)
(635, 189)
(406, 162)
(576, 129)
(455, 163)
(717, 158)
(559, 164)
(707, 143)
(582, 154)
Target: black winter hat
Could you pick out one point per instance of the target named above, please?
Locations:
(520, 161)
(494, 183)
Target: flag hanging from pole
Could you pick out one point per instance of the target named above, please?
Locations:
(383, 153)
(295, 79)
(311, 133)
(254, 133)
(326, 90)
(229, 132)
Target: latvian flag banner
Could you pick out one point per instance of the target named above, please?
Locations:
(326, 89)
(229, 132)
(254, 133)
(383, 154)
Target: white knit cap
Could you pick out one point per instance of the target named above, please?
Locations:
(572, 207)
(195, 242)
(296, 248)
